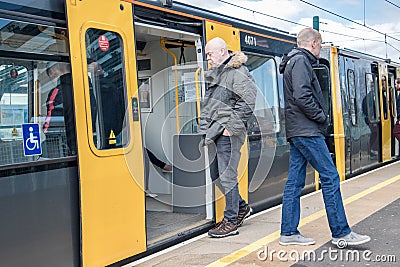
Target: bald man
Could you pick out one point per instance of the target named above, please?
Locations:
(306, 121)
(228, 103)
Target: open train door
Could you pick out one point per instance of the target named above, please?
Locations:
(108, 130)
(232, 38)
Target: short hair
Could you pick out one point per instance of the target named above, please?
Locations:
(307, 35)
(397, 80)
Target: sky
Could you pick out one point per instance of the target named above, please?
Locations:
(380, 17)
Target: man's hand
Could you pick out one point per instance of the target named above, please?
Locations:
(226, 133)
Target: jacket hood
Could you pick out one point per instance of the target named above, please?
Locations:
(237, 60)
(296, 51)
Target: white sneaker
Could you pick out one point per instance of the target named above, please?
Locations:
(351, 239)
(286, 240)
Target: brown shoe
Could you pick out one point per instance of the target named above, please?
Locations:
(223, 229)
(243, 214)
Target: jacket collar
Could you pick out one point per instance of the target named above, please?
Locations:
(236, 60)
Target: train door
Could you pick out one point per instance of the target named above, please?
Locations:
(393, 111)
(372, 113)
(170, 70)
(108, 130)
(353, 140)
(385, 111)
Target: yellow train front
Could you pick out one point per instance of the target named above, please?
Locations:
(88, 89)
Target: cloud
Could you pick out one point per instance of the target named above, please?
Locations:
(348, 34)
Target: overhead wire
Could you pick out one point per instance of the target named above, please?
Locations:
(353, 21)
(261, 13)
(392, 4)
(293, 22)
(330, 12)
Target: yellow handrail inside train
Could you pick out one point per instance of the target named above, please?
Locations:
(162, 43)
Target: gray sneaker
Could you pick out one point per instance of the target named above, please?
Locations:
(286, 240)
(351, 239)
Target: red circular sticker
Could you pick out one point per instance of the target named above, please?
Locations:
(14, 73)
(103, 43)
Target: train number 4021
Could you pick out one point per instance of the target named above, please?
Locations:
(250, 40)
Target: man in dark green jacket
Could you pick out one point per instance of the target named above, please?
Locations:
(228, 103)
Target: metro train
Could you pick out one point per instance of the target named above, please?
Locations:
(77, 187)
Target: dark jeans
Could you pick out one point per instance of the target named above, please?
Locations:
(224, 171)
(314, 151)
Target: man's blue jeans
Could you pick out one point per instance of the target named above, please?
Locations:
(314, 151)
(225, 170)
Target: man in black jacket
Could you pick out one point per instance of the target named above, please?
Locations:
(306, 122)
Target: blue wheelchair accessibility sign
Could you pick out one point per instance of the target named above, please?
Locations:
(32, 145)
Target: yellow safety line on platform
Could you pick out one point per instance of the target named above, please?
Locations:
(241, 253)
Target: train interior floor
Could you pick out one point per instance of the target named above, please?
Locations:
(162, 222)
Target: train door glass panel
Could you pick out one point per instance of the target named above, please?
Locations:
(392, 95)
(106, 88)
(353, 98)
(373, 115)
(385, 100)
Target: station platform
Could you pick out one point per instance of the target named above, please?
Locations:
(372, 203)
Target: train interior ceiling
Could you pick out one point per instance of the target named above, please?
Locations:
(167, 63)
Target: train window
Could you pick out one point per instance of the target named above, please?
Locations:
(371, 103)
(19, 36)
(351, 81)
(322, 73)
(35, 92)
(392, 95)
(266, 114)
(107, 88)
(385, 99)
(13, 110)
